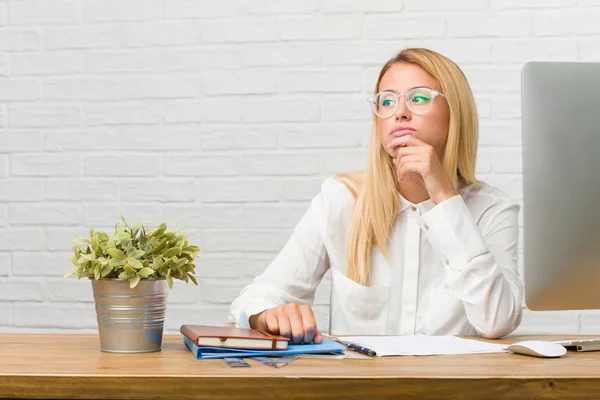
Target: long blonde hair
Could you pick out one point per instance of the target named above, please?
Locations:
(376, 189)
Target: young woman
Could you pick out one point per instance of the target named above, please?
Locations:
(415, 244)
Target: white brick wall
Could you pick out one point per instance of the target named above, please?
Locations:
(227, 115)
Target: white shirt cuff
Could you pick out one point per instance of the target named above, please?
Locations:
(453, 233)
(251, 308)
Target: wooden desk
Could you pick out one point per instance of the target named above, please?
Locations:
(72, 366)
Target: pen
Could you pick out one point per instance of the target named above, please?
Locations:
(353, 346)
(360, 349)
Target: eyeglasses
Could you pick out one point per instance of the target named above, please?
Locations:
(418, 101)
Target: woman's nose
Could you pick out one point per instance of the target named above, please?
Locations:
(402, 111)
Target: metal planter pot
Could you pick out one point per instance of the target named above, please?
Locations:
(130, 320)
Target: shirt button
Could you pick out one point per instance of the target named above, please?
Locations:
(426, 227)
(413, 208)
(447, 262)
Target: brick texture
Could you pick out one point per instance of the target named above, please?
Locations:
(227, 115)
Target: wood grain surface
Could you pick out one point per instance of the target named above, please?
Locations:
(73, 367)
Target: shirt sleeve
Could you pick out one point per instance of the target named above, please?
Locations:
(480, 261)
(294, 274)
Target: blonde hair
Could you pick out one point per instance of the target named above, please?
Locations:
(376, 189)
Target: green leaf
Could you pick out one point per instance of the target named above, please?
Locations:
(191, 250)
(116, 253)
(193, 279)
(121, 236)
(175, 251)
(95, 243)
(113, 262)
(159, 231)
(134, 281)
(127, 248)
(125, 275)
(134, 263)
(160, 247)
(191, 267)
(137, 227)
(129, 270)
(136, 254)
(80, 242)
(168, 262)
(103, 260)
(105, 271)
(180, 242)
(90, 257)
(123, 219)
(169, 235)
(102, 236)
(71, 271)
(157, 263)
(170, 281)
(146, 272)
(180, 263)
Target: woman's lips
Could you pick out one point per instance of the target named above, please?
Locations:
(402, 132)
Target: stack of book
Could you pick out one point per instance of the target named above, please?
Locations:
(208, 342)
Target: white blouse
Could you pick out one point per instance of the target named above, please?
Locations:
(452, 267)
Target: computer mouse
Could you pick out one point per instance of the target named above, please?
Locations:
(538, 348)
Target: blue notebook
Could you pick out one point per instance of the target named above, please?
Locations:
(208, 352)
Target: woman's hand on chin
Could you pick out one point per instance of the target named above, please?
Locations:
(415, 156)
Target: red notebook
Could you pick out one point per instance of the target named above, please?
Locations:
(237, 338)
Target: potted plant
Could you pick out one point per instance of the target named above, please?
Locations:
(130, 272)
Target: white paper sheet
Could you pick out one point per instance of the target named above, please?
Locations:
(423, 345)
